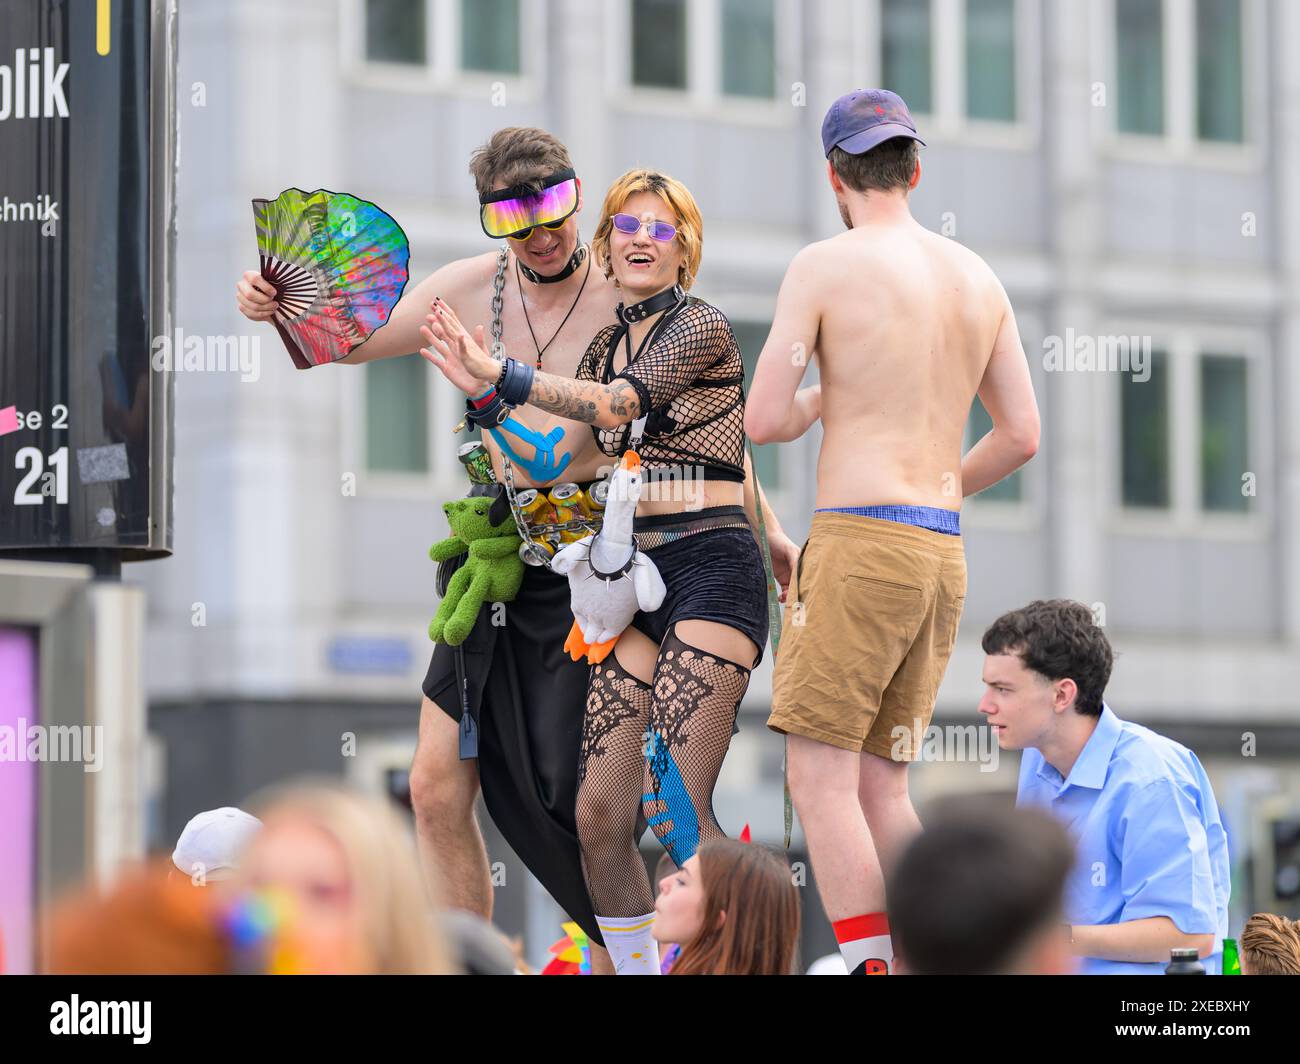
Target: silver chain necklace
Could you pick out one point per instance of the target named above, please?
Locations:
(498, 352)
(538, 554)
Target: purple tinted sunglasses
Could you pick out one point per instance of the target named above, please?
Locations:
(661, 231)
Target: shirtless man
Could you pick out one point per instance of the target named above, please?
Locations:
(907, 327)
(526, 695)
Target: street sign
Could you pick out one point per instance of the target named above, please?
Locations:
(87, 155)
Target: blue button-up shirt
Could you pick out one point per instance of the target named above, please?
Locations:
(1147, 829)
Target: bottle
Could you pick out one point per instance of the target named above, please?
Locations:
(1184, 962)
(1231, 958)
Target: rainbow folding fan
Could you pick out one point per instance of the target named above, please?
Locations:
(338, 264)
(572, 953)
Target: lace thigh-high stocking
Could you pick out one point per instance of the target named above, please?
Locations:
(695, 698)
(611, 780)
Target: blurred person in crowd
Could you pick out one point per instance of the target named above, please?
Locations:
(979, 892)
(332, 884)
(480, 947)
(733, 908)
(209, 847)
(148, 922)
(1270, 945)
(1153, 872)
(906, 326)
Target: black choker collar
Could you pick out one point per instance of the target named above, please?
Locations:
(575, 260)
(657, 302)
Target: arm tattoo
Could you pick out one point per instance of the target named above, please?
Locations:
(585, 401)
(624, 400)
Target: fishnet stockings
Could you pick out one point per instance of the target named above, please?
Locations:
(696, 696)
(611, 779)
(651, 754)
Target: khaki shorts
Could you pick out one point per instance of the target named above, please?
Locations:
(870, 621)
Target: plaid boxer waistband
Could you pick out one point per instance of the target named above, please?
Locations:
(928, 517)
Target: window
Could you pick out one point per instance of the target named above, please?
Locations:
(767, 459)
(1219, 114)
(991, 60)
(395, 31)
(659, 43)
(1145, 478)
(905, 52)
(490, 35)
(958, 64)
(1179, 70)
(443, 43)
(1224, 434)
(1140, 68)
(397, 415)
(712, 50)
(1008, 489)
(1189, 440)
(749, 48)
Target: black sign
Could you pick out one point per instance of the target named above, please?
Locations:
(86, 148)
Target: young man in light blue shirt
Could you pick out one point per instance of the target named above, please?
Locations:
(1152, 872)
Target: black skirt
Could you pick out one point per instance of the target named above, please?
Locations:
(527, 698)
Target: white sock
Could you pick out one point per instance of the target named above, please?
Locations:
(630, 945)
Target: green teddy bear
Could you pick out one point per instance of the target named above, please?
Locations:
(492, 572)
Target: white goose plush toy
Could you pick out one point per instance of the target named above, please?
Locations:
(609, 578)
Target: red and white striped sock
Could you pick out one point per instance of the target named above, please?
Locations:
(865, 944)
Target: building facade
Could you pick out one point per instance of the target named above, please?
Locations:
(1129, 168)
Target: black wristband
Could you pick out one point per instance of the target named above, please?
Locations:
(516, 382)
(490, 414)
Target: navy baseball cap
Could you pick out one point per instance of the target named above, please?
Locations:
(860, 120)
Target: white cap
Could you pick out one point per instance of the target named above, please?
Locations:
(212, 841)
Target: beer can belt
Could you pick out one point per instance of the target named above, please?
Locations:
(555, 518)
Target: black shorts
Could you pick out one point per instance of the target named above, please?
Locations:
(715, 575)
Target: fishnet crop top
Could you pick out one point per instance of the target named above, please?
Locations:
(691, 382)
